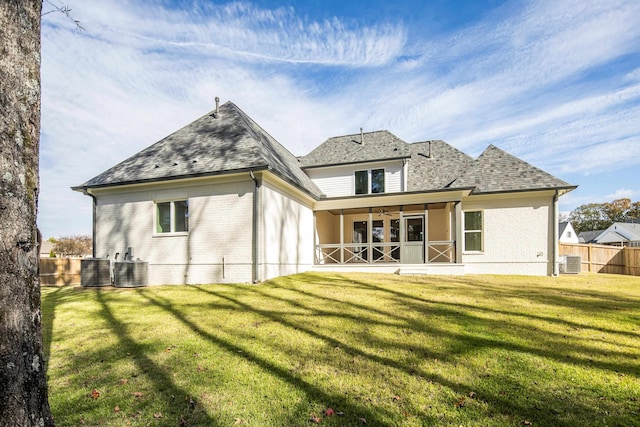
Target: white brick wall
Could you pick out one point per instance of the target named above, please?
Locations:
(287, 234)
(220, 230)
(517, 237)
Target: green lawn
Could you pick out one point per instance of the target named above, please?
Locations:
(380, 350)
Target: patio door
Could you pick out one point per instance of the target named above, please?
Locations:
(413, 240)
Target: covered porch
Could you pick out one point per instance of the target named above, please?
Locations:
(388, 235)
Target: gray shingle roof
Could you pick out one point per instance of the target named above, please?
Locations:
(497, 171)
(589, 236)
(209, 146)
(434, 165)
(232, 142)
(371, 146)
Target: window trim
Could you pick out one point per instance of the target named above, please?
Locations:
(370, 181)
(465, 232)
(172, 217)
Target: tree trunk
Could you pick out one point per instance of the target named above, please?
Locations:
(23, 387)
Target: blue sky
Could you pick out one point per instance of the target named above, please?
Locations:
(556, 83)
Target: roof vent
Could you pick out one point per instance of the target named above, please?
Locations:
(361, 137)
(216, 112)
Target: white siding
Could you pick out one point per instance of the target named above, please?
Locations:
(287, 233)
(517, 236)
(568, 235)
(339, 181)
(220, 215)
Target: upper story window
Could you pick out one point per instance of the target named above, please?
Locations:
(373, 176)
(172, 217)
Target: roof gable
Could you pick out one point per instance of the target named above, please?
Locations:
(226, 142)
(628, 230)
(357, 148)
(497, 171)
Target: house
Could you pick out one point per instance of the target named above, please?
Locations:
(46, 247)
(220, 200)
(566, 233)
(618, 234)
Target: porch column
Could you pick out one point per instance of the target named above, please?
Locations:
(402, 236)
(315, 239)
(458, 226)
(426, 233)
(370, 236)
(341, 236)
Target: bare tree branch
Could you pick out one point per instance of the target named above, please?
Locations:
(65, 10)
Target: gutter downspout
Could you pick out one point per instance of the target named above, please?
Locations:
(93, 223)
(555, 269)
(255, 256)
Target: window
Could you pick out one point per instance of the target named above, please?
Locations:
(362, 178)
(377, 181)
(362, 182)
(172, 217)
(473, 231)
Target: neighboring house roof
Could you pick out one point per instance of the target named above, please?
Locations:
(625, 231)
(616, 233)
(589, 236)
(630, 230)
(357, 148)
(610, 236)
(226, 142)
(496, 171)
(434, 165)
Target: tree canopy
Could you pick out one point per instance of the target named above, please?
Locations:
(599, 216)
(72, 245)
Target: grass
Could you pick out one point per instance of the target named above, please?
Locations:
(382, 349)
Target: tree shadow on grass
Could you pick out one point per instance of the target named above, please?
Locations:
(51, 298)
(374, 416)
(466, 318)
(183, 405)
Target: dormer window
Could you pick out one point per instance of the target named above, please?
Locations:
(373, 176)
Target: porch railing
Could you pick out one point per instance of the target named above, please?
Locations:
(441, 251)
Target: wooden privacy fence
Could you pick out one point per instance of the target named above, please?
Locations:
(604, 258)
(59, 271)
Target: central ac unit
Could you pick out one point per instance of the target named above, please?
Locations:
(130, 274)
(571, 264)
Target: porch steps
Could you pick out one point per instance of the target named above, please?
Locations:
(421, 269)
(445, 269)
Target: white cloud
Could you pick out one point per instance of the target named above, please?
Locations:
(623, 193)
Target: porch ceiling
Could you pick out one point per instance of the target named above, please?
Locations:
(386, 210)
